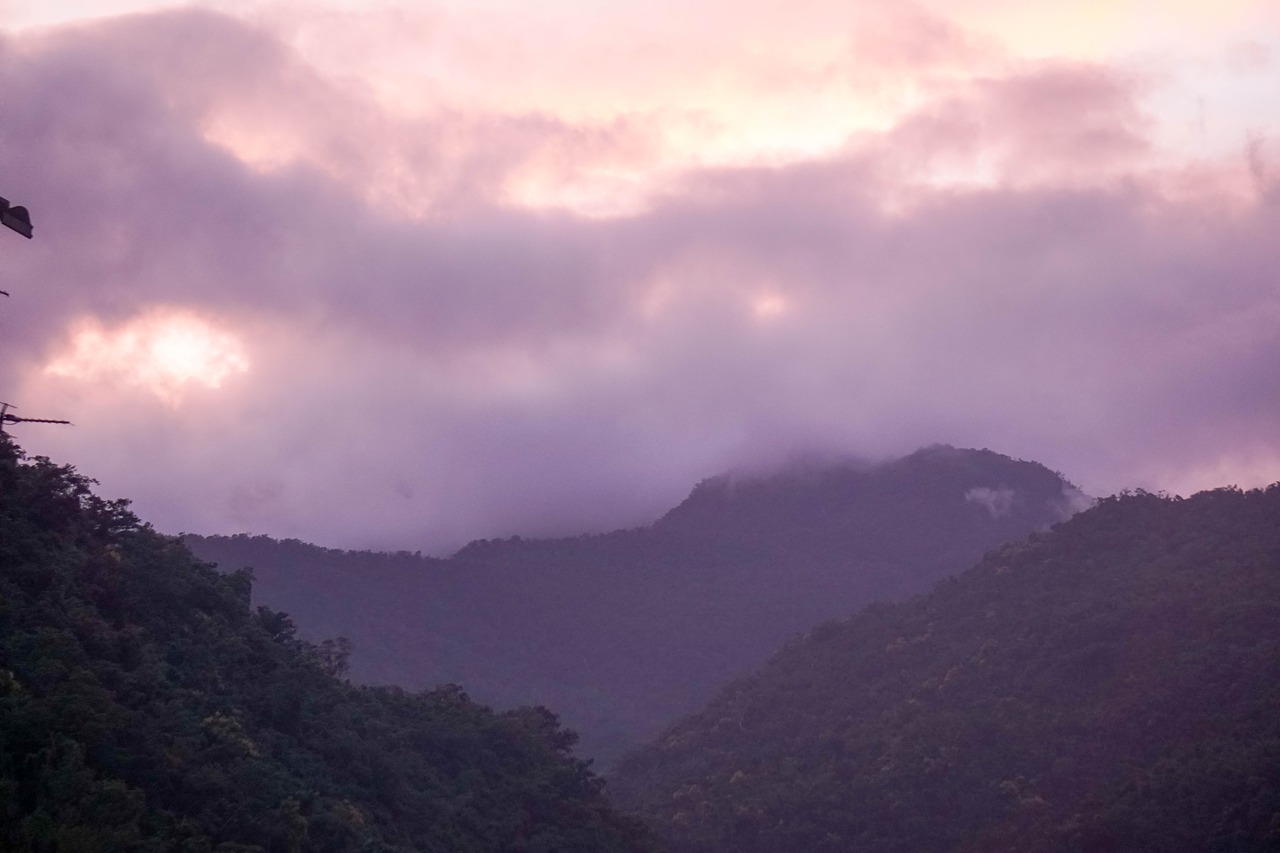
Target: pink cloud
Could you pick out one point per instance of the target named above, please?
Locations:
(906, 38)
(1249, 57)
(477, 368)
(1047, 122)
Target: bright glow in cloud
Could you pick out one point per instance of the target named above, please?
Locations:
(769, 305)
(162, 350)
(261, 148)
(502, 259)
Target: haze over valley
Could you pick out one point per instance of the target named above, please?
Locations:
(843, 426)
(623, 632)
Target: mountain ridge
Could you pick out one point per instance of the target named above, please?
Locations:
(623, 631)
(145, 706)
(1111, 684)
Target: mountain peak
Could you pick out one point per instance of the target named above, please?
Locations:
(621, 632)
(1108, 685)
(834, 492)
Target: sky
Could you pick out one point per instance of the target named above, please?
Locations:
(400, 275)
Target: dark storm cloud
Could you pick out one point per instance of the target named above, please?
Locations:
(431, 364)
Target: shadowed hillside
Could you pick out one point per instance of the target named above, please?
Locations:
(625, 631)
(1112, 685)
(145, 706)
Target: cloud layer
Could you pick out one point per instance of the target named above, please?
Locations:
(435, 321)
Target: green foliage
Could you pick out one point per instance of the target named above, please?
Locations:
(145, 706)
(1110, 685)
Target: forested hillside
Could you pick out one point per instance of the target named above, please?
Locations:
(145, 706)
(1111, 685)
(623, 632)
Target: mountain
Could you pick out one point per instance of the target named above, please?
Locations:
(145, 706)
(1110, 685)
(626, 631)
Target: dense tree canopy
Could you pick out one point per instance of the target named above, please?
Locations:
(1112, 685)
(144, 705)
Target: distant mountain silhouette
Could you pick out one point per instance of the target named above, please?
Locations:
(1111, 685)
(622, 632)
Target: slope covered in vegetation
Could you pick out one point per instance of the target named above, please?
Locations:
(624, 632)
(1112, 685)
(145, 706)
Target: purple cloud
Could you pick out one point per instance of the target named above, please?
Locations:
(1010, 265)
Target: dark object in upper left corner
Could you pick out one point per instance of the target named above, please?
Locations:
(16, 218)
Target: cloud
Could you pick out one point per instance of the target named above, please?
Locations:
(998, 501)
(1249, 57)
(443, 344)
(163, 351)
